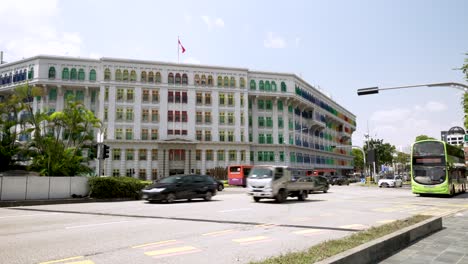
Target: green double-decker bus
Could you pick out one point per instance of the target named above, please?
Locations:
(437, 168)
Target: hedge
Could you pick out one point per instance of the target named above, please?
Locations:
(116, 187)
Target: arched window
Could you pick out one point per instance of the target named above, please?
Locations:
(261, 86)
(242, 82)
(177, 79)
(65, 74)
(233, 82)
(253, 85)
(158, 77)
(210, 80)
(143, 76)
(220, 81)
(184, 79)
(125, 75)
(203, 80)
(273, 86)
(24, 75)
(92, 75)
(197, 79)
(226, 81)
(151, 77)
(52, 73)
(118, 75)
(107, 74)
(133, 76)
(31, 73)
(267, 86)
(81, 75)
(170, 78)
(283, 87)
(73, 74)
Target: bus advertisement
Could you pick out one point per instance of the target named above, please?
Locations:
(237, 174)
(437, 168)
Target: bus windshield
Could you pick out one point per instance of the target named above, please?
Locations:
(261, 173)
(429, 148)
(429, 174)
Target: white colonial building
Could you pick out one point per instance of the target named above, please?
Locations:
(166, 118)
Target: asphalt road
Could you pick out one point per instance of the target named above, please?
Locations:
(229, 229)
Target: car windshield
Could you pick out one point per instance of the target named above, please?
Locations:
(261, 173)
(171, 179)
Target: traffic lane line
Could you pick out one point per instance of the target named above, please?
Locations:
(157, 244)
(220, 233)
(168, 252)
(252, 240)
(308, 232)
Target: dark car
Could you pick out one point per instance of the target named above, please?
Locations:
(220, 184)
(181, 187)
(320, 183)
(339, 180)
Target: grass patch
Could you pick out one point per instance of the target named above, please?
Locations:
(330, 248)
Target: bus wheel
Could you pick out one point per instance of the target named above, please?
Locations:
(452, 191)
(256, 199)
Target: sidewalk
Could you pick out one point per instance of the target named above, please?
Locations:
(448, 246)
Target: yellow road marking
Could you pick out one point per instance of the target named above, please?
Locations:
(250, 239)
(81, 262)
(155, 243)
(171, 251)
(354, 226)
(61, 260)
(386, 221)
(307, 231)
(217, 233)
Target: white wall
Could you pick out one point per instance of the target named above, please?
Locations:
(35, 187)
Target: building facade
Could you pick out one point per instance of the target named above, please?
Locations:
(166, 118)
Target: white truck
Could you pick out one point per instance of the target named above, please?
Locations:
(279, 183)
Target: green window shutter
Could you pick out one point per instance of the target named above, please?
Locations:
(261, 104)
(283, 87)
(253, 86)
(81, 75)
(269, 105)
(92, 75)
(51, 73)
(65, 74)
(73, 74)
(53, 94)
(80, 95)
(280, 105)
(261, 86)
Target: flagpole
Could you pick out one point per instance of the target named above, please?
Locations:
(178, 49)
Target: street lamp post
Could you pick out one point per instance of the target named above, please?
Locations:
(376, 89)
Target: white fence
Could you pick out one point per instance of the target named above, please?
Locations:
(42, 188)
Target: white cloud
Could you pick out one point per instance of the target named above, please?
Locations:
(213, 22)
(30, 27)
(435, 107)
(390, 116)
(274, 42)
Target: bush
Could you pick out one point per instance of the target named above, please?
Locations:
(116, 187)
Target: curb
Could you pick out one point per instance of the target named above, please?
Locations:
(381, 248)
(59, 201)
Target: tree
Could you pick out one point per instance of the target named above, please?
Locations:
(403, 159)
(9, 148)
(358, 159)
(384, 151)
(59, 138)
(423, 137)
(464, 69)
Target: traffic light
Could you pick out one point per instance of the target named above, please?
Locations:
(105, 151)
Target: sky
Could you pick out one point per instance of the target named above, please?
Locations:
(337, 46)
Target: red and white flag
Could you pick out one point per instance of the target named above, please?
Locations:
(183, 49)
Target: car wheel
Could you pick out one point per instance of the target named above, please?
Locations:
(208, 196)
(302, 196)
(385, 185)
(325, 191)
(170, 198)
(220, 187)
(257, 199)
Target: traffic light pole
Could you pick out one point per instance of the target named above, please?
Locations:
(100, 159)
